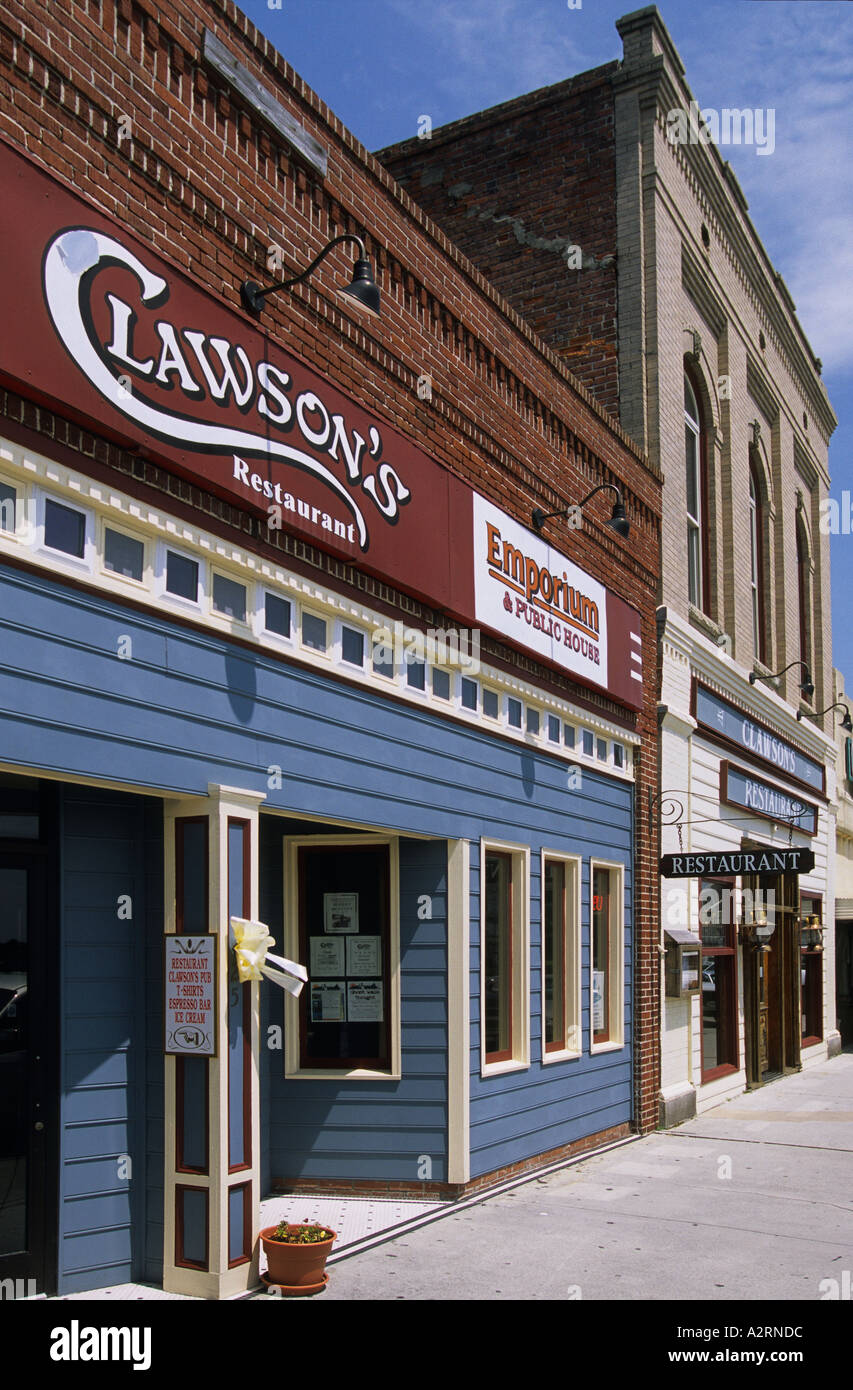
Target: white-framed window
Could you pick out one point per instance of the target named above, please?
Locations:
(353, 645)
(229, 598)
(66, 530)
(180, 577)
(11, 507)
(606, 955)
(276, 616)
(561, 956)
(442, 683)
(342, 921)
(469, 694)
(491, 703)
(123, 553)
(314, 632)
(504, 957)
(695, 497)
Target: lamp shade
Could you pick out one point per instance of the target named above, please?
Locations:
(363, 288)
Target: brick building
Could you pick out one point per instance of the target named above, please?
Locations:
(604, 213)
(281, 644)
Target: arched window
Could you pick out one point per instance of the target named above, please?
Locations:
(697, 543)
(756, 564)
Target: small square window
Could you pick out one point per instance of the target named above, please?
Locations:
(490, 703)
(383, 656)
(618, 755)
(313, 632)
(569, 735)
(513, 713)
(588, 742)
(64, 529)
(277, 615)
(416, 675)
(229, 598)
(181, 576)
(553, 729)
(123, 554)
(601, 749)
(532, 720)
(441, 684)
(352, 646)
(8, 507)
(469, 693)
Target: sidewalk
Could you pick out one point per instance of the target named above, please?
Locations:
(753, 1200)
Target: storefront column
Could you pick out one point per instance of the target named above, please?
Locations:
(212, 1128)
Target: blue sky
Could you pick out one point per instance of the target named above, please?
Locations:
(381, 64)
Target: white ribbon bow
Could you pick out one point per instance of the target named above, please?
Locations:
(252, 941)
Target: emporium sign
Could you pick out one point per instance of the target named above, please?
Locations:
(731, 724)
(116, 338)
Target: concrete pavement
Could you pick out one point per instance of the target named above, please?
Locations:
(751, 1201)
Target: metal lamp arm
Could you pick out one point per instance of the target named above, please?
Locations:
(309, 270)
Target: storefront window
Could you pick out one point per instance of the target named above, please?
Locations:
(811, 971)
(344, 922)
(554, 955)
(497, 946)
(717, 918)
(601, 973)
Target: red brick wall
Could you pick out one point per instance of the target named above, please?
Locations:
(514, 199)
(202, 180)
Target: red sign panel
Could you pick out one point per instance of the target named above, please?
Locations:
(106, 331)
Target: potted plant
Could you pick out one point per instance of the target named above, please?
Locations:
(296, 1255)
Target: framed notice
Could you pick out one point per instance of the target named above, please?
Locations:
(598, 1001)
(190, 978)
(364, 955)
(327, 955)
(328, 1002)
(340, 913)
(364, 1001)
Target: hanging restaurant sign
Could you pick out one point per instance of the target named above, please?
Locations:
(732, 725)
(739, 788)
(725, 865)
(124, 343)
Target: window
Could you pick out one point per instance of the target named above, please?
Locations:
(123, 554)
(181, 576)
(504, 955)
(618, 755)
(811, 972)
(560, 958)
(64, 528)
(229, 598)
(803, 590)
(601, 749)
(343, 924)
(694, 448)
(441, 684)
(588, 742)
(607, 956)
(553, 729)
(469, 693)
(756, 559)
(513, 713)
(383, 655)
(490, 702)
(352, 646)
(277, 615)
(415, 674)
(569, 735)
(8, 507)
(532, 721)
(313, 632)
(718, 1009)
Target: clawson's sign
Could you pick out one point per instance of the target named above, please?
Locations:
(115, 338)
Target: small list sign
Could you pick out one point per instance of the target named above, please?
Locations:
(190, 978)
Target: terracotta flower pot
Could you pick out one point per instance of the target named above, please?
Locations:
(295, 1266)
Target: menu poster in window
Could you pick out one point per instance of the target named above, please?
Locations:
(190, 975)
(327, 955)
(328, 1002)
(364, 1001)
(340, 913)
(598, 1001)
(364, 956)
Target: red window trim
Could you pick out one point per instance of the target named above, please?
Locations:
(604, 1035)
(558, 1044)
(506, 1054)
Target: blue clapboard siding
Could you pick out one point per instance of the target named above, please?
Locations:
(109, 846)
(190, 709)
(372, 1130)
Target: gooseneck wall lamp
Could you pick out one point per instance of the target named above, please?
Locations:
(362, 288)
(806, 685)
(618, 520)
(846, 723)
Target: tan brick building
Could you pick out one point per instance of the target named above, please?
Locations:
(612, 223)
